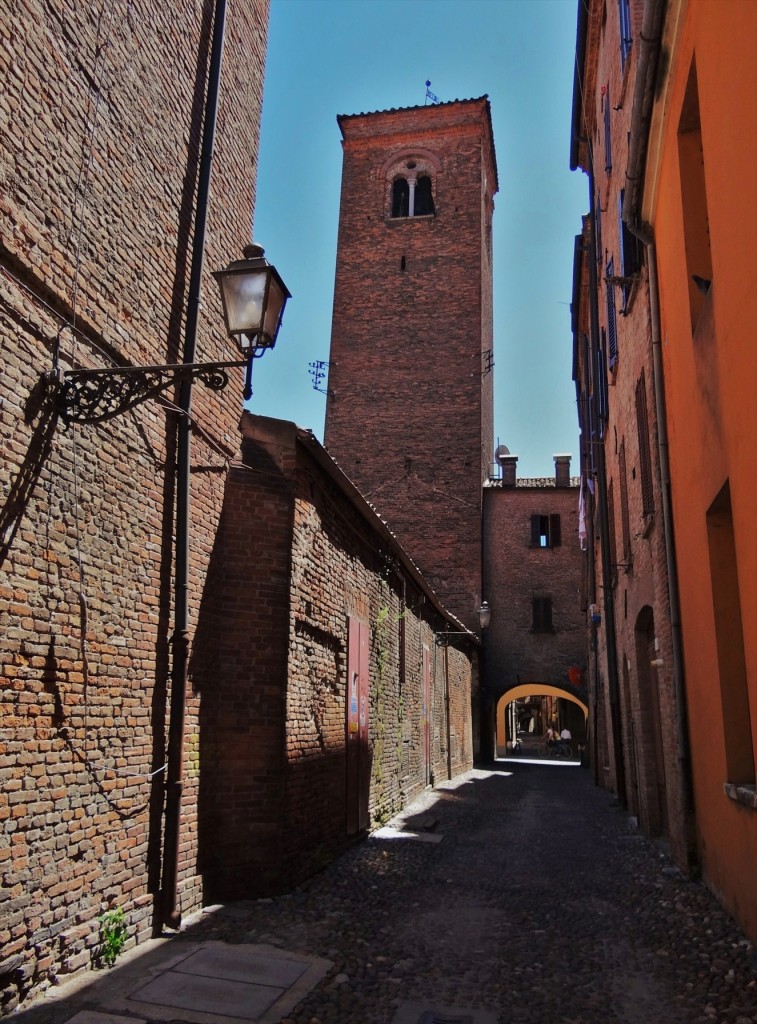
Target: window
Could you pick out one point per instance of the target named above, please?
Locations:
(400, 197)
(541, 612)
(600, 384)
(608, 141)
(412, 197)
(696, 224)
(612, 331)
(625, 30)
(545, 531)
(625, 522)
(424, 199)
(645, 461)
(630, 253)
(611, 531)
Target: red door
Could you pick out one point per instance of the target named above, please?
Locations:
(357, 739)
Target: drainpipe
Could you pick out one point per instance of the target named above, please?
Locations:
(643, 100)
(446, 706)
(604, 529)
(586, 457)
(171, 915)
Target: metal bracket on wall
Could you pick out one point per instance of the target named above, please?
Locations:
(94, 396)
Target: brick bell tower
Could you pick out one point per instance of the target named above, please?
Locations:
(409, 408)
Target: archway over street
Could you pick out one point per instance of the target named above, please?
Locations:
(526, 710)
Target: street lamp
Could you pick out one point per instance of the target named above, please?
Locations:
(484, 618)
(253, 296)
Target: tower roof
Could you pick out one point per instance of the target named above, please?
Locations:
(431, 112)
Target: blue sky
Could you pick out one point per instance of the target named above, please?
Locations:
(329, 57)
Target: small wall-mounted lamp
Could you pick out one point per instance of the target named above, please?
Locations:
(484, 618)
(484, 615)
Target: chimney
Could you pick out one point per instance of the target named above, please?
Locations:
(562, 470)
(508, 464)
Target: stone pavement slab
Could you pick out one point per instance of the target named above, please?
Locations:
(215, 983)
(96, 1017)
(206, 997)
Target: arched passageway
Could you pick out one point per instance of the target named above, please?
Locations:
(526, 711)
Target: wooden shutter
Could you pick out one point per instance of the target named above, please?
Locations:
(555, 538)
(645, 461)
(611, 529)
(608, 141)
(535, 531)
(600, 383)
(625, 523)
(626, 38)
(612, 331)
(542, 614)
(598, 229)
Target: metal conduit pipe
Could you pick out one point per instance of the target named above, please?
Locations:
(643, 100)
(170, 913)
(604, 528)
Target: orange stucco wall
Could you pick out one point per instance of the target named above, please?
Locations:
(711, 393)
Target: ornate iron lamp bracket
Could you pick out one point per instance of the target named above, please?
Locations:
(94, 396)
(445, 639)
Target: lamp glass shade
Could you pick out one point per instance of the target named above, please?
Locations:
(277, 297)
(244, 295)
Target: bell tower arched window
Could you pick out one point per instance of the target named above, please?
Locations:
(424, 198)
(411, 178)
(400, 198)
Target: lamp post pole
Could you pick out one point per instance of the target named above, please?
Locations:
(170, 913)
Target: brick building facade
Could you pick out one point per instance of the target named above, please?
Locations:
(691, 169)
(637, 700)
(101, 122)
(412, 331)
(536, 641)
(305, 573)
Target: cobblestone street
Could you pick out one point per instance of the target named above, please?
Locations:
(540, 903)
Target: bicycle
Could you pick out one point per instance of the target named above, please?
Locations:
(558, 748)
(562, 748)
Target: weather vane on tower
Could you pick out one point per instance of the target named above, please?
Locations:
(429, 94)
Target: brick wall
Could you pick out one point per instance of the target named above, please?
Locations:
(517, 572)
(307, 554)
(100, 122)
(402, 356)
(646, 698)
